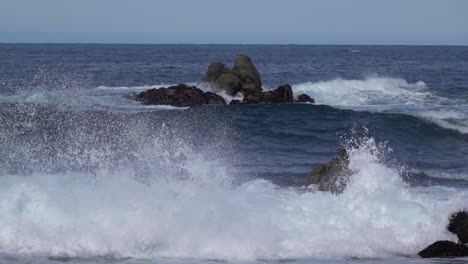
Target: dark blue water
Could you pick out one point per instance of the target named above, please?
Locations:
(67, 116)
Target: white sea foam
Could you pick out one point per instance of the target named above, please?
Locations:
(384, 94)
(206, 216)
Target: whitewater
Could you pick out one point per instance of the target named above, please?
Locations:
(90, 175)
(206, 216)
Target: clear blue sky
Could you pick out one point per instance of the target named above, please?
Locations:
(429, 22)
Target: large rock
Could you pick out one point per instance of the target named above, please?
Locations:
(180, 95)
(214, 70)
(244, 67)
(229, 82)
(332, 176)
(444, 249)
(243, 77)
(459, 226)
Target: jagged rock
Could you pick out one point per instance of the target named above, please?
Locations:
(180, 95)
(243, 77)
(459, 225)
(234, 102)
(304, 98)
(443, 249)
(229, 82)
(332, 176)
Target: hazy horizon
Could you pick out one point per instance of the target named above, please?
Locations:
(296, 22)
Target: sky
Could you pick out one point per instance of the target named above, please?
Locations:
(388, 22)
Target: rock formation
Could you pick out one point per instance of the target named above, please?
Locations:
(444, 249)
(180, 95)
(243, 77)
(458, 224)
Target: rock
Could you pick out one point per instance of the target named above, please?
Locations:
(332, 176)
(234, 102)
(243, 77)
(443, 249)
(244, 67)
(180, 95)
(214, 70)
(229, 82)
(281, 95)
(459, 225)
(213, 99)
(304, 98)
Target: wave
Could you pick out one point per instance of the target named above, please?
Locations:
(204, 214)
(385, 94)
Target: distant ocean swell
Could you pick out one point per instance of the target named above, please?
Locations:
(375, 94)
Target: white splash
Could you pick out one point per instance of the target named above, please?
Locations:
(206, 216)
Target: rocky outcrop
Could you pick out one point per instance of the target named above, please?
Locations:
(243, 77)
(304, 98)
(444, 249)
(281, 95)
(332, 176)
(459, 226)
(180, 95)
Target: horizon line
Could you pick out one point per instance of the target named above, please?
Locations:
(246, 44)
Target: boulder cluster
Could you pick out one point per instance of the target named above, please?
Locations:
(242, 81)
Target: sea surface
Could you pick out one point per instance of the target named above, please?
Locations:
(89, 175)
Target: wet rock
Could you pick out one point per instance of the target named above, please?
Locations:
(281, 95)
(304, 98)
(180, 95)
(444, 249)
(332, 176)
(244, 68)
(213, 99)
(235, 102)
(459, 226)
(214, 71)
(229, 82)
(243, 77)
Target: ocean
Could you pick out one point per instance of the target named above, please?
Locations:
(89, 175)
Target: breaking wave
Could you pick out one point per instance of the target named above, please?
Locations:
(384, 94)
(188, 205)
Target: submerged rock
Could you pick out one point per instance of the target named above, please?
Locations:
(444, 249)
(332, 176)
(459, 226)
(180, 95)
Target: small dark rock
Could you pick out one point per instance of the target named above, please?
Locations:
(304, 98)
(281, 95)
(235, 102)
(459, 225)
(444, 249)
(180, 95)
(213, 99)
